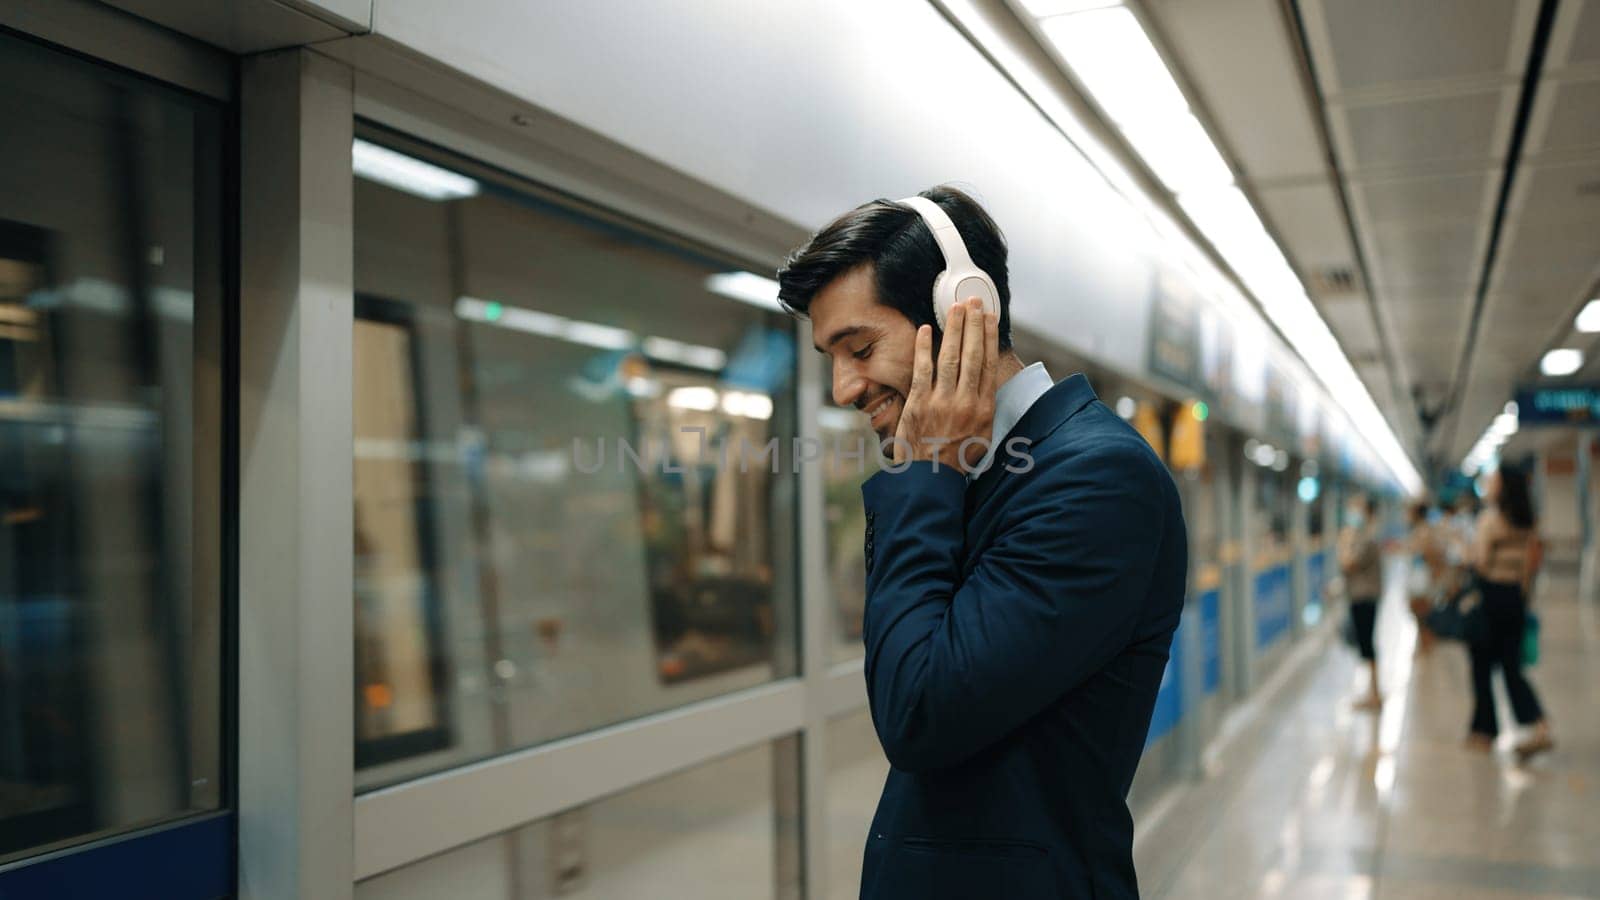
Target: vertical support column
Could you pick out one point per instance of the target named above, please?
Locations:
(1300, 578)
(1230, 556)
(1586, 516)
(814, 628)
(1244, 620)
(295, 615)
(1191, 649)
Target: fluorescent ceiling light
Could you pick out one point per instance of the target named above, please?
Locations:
(531, 321)
(746, 287)
(1111, 55)
(603, 336)
(1563, 361)
(699, 398)
(836, 418)
(1040, 9)
(408, 174)
(749, 405)
(1589, 319)
(700, 357)
(1178, 150)
(1505, 423)
(640, 386)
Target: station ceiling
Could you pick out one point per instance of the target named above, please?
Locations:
(1432, 170)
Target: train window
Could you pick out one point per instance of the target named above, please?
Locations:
(110, 455)
(574, 489)
(726, 828)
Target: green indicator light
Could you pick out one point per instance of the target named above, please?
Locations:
(1200, 410)
(493, 311)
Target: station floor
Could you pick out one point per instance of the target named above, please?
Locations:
(1310, 799)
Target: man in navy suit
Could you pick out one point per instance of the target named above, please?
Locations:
(1021, 601)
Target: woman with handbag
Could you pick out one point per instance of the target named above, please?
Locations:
(1505, 556)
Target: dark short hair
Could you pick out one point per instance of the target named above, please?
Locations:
(1515, 502)
(905, 259)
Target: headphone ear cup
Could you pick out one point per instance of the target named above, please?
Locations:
(941, 303)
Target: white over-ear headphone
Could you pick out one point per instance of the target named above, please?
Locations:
(961, 277)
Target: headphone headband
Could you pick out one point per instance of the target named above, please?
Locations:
(961, 278)
(944, 232)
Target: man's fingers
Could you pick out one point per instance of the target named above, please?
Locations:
(922, 363)
(950, 350)
(991, 356)
(972, 349)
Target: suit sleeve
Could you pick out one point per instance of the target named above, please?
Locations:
(955, 665)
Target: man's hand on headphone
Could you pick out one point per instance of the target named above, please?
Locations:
(949, 413)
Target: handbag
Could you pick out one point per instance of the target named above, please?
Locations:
(1530, 639)
(1461, 617)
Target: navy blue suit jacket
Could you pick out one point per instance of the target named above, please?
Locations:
(1016, 631)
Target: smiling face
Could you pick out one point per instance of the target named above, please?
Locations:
(872, 347)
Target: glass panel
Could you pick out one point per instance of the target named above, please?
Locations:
(850, 456)
(110, 398)
(573, 503)
(857, 770)
(724, 830)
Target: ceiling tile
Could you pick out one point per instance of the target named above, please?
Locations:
(1351, 321)
(1406, 257)
(1541, 259)
(1424, 199)
(1310, 219)
(1424, 130)
(1586, 37)
(1382, 41)
(1575, 118)
(1416, 323)
(1568, 194)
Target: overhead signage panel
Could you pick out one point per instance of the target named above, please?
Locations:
(1572, 404)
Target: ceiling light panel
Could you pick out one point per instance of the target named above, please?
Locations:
(1179, 152)
(1589, 320)
(405, 173)
(1563, 361)
(1111, 55)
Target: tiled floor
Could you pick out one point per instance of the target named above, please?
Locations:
(1315, 800)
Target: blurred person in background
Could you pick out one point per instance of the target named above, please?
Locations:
(1428, 572)
(1361, 563)
(1458, 530)
(1505, 556)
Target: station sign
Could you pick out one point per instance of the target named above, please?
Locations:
(1572, 404)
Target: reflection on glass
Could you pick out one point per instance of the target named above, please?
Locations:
(573, 479)
(725, 830)
(849, 456)
(857, 770)
(400, 692)
(109, 452)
